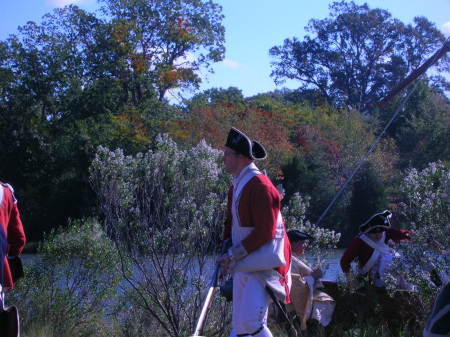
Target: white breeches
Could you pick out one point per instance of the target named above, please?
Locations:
(250, 304)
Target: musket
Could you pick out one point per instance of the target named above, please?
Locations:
(278, 305)
(416, 73)
(209, 295)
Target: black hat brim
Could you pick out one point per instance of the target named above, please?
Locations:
(240, 143)
(296, 235)
(377, 223)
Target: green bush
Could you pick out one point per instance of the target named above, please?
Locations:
(67, 287)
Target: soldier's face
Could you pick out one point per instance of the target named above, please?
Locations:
(299, 247)
(231, 160)
(376, 236)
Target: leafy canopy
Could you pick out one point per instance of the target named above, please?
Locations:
(357, 55)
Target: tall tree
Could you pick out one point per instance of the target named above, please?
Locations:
(164, 42)
(356, 55)
(368, 198)
(423, 131)
(79, 80)
(333, 143)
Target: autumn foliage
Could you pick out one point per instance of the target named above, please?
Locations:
(213, 122)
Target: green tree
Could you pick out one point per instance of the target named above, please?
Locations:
(332, 144)
(153, 42)
(231, 95)
(368, 198)
(357, 55)
(299, 176)
(422, 132)
(79, 80)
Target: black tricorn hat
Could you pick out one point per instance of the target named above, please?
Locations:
(377, 223)
(296, 235)
(240, 143)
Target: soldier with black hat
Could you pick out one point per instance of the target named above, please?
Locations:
(253, 220)
(370, 248)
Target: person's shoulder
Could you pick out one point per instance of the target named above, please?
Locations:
(262, 178)
(356, 240)
(8, 186)
(404, 234)
(262, 181)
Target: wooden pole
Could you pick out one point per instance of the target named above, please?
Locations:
(416, 73)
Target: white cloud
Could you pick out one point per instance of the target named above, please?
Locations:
(63, 3)
(446, 29)
(230, 64)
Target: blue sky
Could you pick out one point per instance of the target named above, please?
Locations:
(252, 28)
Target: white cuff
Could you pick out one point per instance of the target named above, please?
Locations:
(238, 252)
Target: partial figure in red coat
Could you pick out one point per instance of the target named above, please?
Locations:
(253, 220)
(12, 235)
(371, 250)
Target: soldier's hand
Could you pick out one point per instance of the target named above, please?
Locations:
(317, 273)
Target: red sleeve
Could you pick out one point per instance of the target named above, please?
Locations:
(16, 234)
(263, 205)
(10, 220)
(397, 235)
(350, 254)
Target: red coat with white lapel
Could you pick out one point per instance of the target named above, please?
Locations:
(362, 251)
(259, 206)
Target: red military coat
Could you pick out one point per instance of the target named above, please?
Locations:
(259, 206)
(12, 225)
(360, 250)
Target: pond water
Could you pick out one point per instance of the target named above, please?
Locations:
(331, 271)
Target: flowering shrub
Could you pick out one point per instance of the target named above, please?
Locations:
(325, 240)
(424, 262)
(164, 209)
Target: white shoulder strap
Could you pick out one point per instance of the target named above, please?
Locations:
(381, 247)
(371, 262)
(1, 194)
(249, 173)
(378, 248)
(237, 192)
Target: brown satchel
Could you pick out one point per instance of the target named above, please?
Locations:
(16, 267)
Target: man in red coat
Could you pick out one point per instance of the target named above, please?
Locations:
(370, 248)
(12, 235)
(253, 220)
